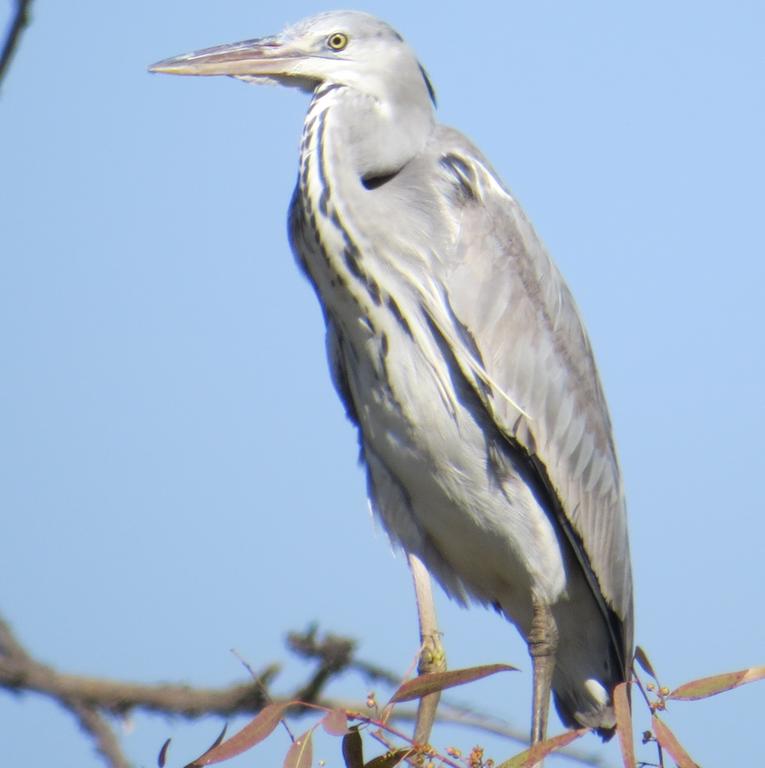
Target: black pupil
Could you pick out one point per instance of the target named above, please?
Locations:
(337, 41)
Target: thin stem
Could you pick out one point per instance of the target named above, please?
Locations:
(18, 22)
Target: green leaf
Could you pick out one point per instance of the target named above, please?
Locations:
(438, 681)
(624, 724)
(669, 741)
(711, 686)
(533, 755)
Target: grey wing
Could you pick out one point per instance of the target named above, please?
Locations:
(516, 328)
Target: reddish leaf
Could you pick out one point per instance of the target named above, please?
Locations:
(530, 757)
(162, 757)
(300, 753)
(624, 724)
(390, 759)
(641, 657)
(353, 749)
(335, 723)
(669, 741)
(253, 733)
(438, 681)
(711, 686)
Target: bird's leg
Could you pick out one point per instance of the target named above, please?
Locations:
(432, 656)
(543, 644)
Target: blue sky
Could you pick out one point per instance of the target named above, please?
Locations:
(176, 475)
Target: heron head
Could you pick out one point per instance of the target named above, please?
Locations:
(344, 47)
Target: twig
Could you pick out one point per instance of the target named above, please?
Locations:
(334, 652)
(309, 646)
(451, 714)
(19, 21)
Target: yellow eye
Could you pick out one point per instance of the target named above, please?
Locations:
(337, 41)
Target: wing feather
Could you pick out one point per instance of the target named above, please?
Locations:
(543, 388)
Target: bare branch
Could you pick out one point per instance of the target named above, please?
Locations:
(105, 741)
(19, 21)
(118, 697)
(330, 648)
(19, 671)
(90, 699)
(334, 653)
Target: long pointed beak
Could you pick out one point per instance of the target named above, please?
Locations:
(265, 57)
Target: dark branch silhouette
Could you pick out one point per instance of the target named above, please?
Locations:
(19, 21)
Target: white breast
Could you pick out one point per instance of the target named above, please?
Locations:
(434, 487)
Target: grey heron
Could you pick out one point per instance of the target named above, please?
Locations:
(459, 354)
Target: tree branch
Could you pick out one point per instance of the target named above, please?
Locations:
(91, 699)
(20, 672)
(105, 742)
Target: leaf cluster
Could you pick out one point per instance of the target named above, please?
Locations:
(399, 748)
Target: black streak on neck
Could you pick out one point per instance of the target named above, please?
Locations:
(375, 182)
